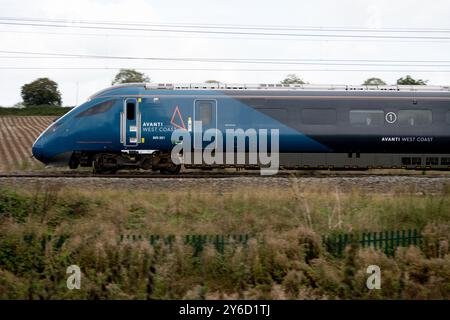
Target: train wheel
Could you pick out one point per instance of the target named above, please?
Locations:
(104, 164)
(100, 170)
(171, 170)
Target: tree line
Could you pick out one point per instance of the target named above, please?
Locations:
(45, 92)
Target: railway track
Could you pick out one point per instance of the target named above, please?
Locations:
(383, 183)
(211, 175)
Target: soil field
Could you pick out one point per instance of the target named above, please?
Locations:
(17, 135)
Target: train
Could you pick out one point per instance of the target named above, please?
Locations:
(131, 126)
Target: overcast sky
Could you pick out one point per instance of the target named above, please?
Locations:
(77, 85)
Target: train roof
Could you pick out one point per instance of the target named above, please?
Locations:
(144, 88)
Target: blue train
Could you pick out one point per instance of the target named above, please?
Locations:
(320, 127)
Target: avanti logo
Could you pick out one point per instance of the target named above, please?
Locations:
(177, 116)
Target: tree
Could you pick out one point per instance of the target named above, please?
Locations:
(42, 91)
(129, 76)
(292, 79)
(374, 82)
(408, 80)
(212, 81)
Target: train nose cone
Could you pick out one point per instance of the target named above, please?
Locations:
(38, 151)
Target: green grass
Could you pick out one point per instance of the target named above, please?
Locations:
(35, 111)
(284, 260)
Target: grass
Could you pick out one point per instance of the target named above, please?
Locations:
(23, 166)
(285, 260)
(35, 111)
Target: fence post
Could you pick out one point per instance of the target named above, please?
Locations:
(222, 244)
(375, 240)
(386, 242)
(403, 238)
(380, 239)
(392, 243)
(362, 241)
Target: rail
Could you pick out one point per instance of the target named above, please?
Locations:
(293, 87)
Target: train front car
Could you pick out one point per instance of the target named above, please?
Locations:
(51, 147)
(79, 135)
(106, 133)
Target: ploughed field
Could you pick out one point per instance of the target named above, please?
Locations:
(17, 134)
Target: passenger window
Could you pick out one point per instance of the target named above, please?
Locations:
(367, 117)
(414, 117)
(96, 109)
(204, 115)
(318, 116)
(131, 111)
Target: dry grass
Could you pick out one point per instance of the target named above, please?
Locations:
(285, 259)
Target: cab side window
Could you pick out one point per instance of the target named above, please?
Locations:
(97, 109)
(204, 110)
(131, 110)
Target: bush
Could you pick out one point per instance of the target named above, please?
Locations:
(13, 205)
(42, 110)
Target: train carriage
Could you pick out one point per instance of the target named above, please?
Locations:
(335, 127)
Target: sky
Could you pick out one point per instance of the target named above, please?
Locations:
(76, 85)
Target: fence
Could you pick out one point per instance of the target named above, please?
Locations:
(57, 241)
(197, 241)
(387, 241)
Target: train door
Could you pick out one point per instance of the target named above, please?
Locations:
(131, 123)
(206, 112)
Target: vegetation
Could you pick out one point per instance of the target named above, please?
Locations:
(374, 82)
(130, 76)
(286, 259)
(43, 110)
(408, 80)
(42, 91)
(292, 79)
